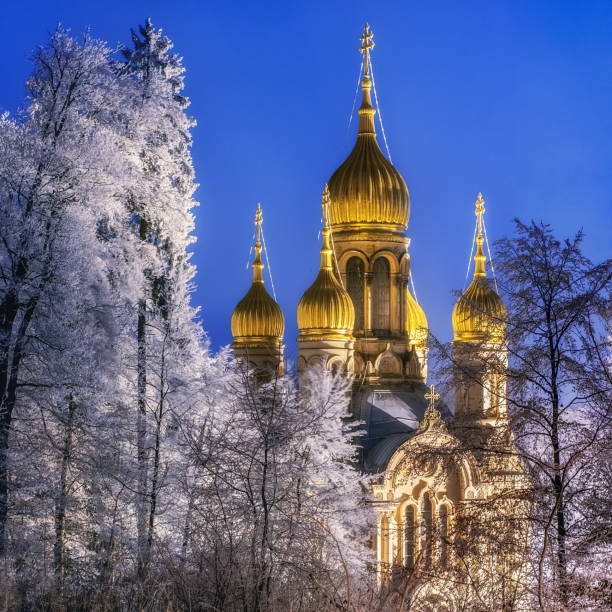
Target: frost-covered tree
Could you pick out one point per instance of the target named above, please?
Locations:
(278, 508)
(56, 171)
(159, 197)
(559, 379)
(137, 469)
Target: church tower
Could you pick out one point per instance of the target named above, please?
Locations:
(258, 323)
(480, 354)
(368, 216)
(360, 314)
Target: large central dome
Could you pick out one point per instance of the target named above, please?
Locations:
(366, 190)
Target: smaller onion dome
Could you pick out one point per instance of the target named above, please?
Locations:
(257, 319)
(479, 314)
(416, 322)
(326, 309)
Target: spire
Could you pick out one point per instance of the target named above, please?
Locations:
(366, 110)
(326, 308)
(257, 263)
(479, 312)
(326, 251)
(479, 258)
(366, 190)
(257, 318)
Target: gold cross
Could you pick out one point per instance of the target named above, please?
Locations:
(258, 220)
(367, 44)
(325, 201)
(480, 209)
(432, 396)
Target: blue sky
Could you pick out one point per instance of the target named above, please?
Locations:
(509, 98)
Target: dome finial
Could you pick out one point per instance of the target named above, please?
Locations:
(479, 313)
(366, 110)
(257, 319)
(479, 258)
(326, 251)
(367, 44)
(326, 309)
(367, 191)
(257, 263)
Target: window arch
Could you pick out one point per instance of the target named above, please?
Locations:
(427, 530)
(409, 536)
(335, 366)
(354, 286)
(443, 535)
(381, 291)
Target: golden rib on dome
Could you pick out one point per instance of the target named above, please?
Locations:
(416, 322)
(367, 190)
(479, 314)
(258, 319)
(326, 309)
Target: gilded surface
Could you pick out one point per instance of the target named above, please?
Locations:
(416, 322)
(258, 319)
(326, 308)
(479, 313)
(367, 189)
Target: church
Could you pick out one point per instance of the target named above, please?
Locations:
(450, 493)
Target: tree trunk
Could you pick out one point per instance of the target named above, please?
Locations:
(560, 505)
(60, 502)
(142, 434)
(156, 457)
(553, 342)
(9, 374)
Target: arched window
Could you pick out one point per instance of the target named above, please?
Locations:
(354, 286)
(381, 289)
(335, 367)
(443, 535)
(409, 537)
(427, 530)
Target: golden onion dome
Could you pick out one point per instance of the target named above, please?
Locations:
(326, 309)
(479, 314)
(258, 319)
(416, 322)
(367, 190)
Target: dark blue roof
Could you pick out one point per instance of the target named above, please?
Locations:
(390, 416)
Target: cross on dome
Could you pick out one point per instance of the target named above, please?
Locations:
(258, 220)
(367, 44)
(325, 202)
(432, 396)
(257, 263)
(480, 209)
(479, 258)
